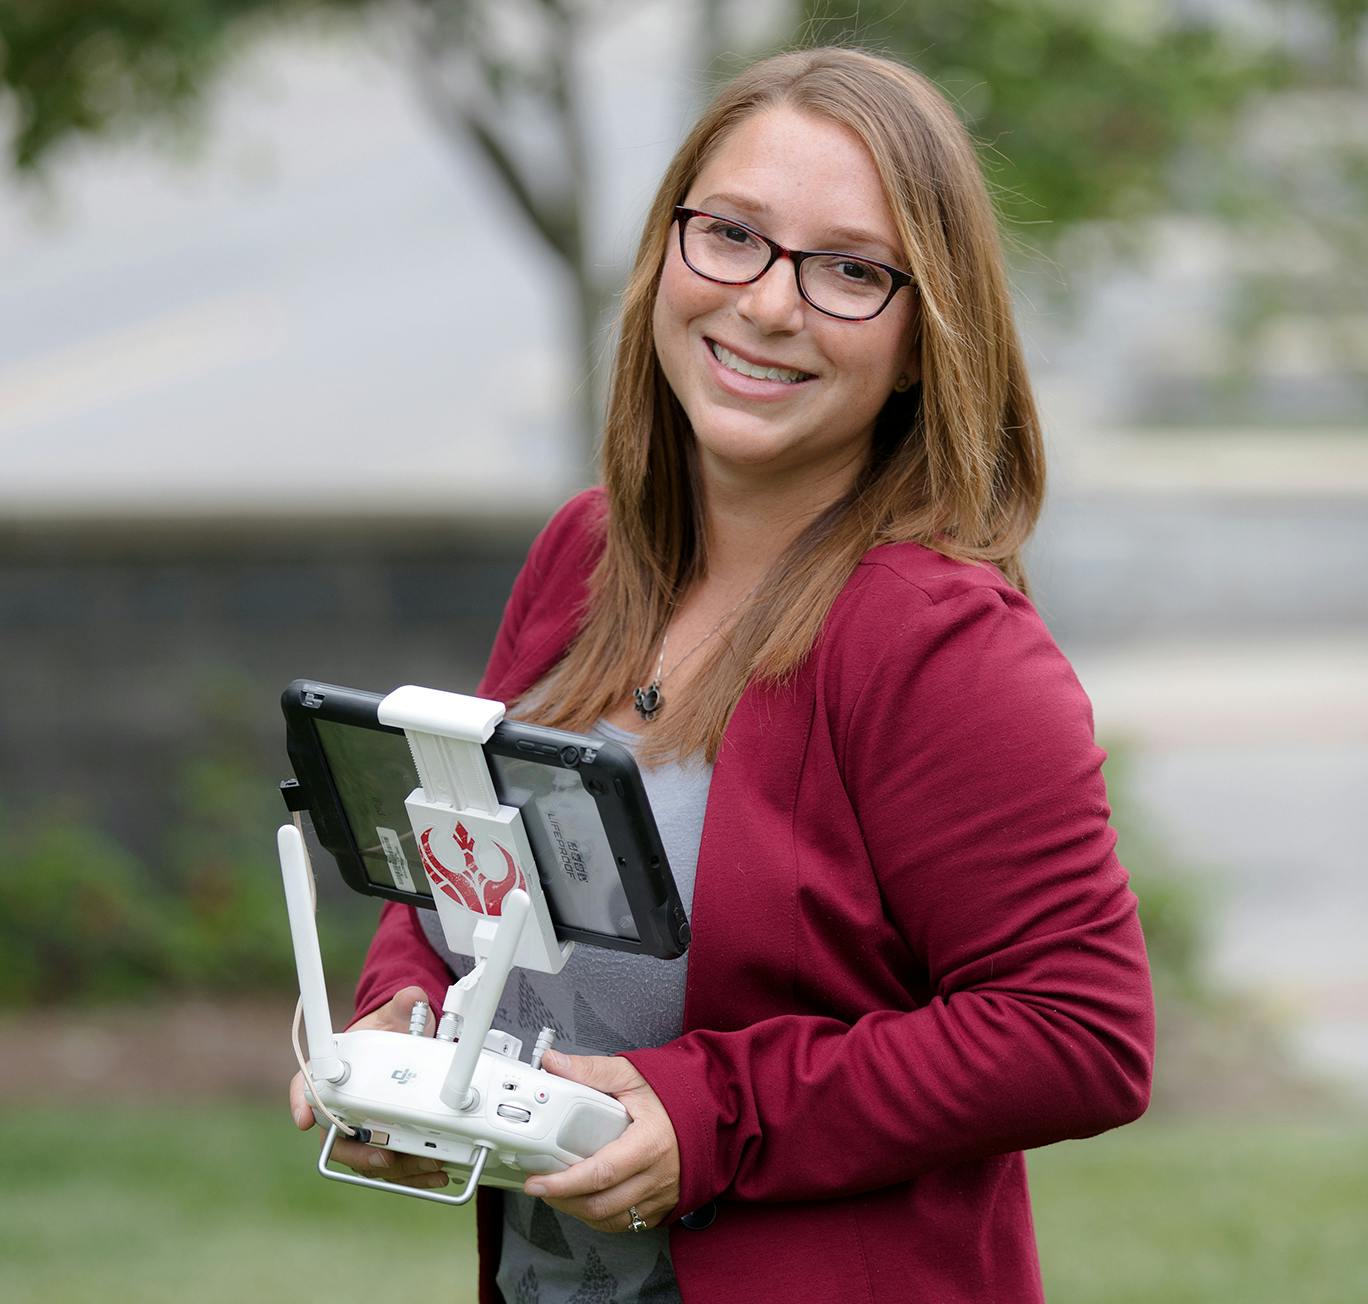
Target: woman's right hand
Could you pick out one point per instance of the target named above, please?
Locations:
(374, 1161)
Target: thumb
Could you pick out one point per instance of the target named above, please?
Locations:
(607, 1073)
(401, 1007)
(299, 1104)
(393, 1015)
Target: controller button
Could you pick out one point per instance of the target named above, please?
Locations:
(542, 1095)
(515, 1113)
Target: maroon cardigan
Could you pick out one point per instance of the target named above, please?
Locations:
(914, 951)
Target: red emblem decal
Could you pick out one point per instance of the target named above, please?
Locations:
(470, 886)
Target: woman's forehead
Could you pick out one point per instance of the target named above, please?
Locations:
(781, 167)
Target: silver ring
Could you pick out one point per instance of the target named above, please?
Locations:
(638, 1223)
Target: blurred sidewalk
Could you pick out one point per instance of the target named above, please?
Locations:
(1167, 695)
(1242, 462)
(1252, 760)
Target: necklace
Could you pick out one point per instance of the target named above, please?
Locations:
(648, 700)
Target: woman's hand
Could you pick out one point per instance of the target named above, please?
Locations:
(640, 1168)
(372, 1161)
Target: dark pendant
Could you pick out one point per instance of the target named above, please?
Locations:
(648, 700)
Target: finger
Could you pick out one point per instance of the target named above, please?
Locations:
(419, 1173)
(299, 1104)
(610, 1211)
(607, 1073)
(419, 1181)
(389, 1165)
(394, 1014)
(635, 1151)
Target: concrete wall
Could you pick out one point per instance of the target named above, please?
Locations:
(121, 644)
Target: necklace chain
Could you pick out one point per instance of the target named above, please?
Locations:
(649, 700)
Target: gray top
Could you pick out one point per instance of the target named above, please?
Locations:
(602, 1001)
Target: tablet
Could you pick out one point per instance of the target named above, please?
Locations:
(599, 856)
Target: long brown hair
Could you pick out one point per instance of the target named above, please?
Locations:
(956, 463)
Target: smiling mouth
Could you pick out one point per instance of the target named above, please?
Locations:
(738, 364)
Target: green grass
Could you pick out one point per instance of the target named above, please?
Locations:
(1237, 1213)
(222, 1204)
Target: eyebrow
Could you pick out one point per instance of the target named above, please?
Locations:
(851, 235)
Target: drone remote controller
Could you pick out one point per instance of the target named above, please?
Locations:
(522, 1120)
(464, 1097)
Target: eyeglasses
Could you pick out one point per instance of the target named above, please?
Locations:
(731, 253)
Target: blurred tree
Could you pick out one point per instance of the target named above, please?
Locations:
(1105, 117)
(1083, 111)
(502, 75)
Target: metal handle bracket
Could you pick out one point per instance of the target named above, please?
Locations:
(393, 1188)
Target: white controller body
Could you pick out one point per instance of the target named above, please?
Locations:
(528, 1120)
(489, 1113)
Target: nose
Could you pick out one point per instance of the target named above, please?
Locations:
(773, 303)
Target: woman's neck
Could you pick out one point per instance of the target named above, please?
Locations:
(750, 525)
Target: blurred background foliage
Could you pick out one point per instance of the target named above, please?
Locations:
(83, 918)
(1101, 123)
(1118, 112)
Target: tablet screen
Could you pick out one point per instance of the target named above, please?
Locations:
(373, 773)
(569, 843)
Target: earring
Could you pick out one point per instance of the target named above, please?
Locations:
(902, 384)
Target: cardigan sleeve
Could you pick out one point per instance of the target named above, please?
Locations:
(400, 956)
(969, 760)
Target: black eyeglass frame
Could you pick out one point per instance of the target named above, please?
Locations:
(797, 257)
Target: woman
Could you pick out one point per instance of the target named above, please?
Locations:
(800, 590)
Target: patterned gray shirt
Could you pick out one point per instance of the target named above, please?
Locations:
(602, 1001)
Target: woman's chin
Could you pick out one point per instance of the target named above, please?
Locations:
(733, 459)
(772, 459)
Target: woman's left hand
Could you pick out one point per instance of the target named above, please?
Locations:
(640, 1168)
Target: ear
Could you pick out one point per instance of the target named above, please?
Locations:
(911, 363)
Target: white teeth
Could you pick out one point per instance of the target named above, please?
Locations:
(733, 363)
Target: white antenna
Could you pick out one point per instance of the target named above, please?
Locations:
(313, 989)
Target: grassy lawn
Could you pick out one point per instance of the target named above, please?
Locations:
(1239, 1212)
(222, 1204)
(214, 1205)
